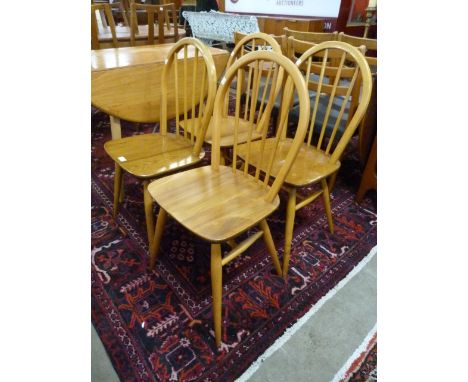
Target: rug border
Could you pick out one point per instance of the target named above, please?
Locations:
(302, 320)
(341, 374)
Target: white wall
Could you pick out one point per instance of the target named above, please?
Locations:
(321, 8)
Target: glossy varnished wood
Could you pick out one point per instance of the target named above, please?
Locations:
(126, 82)
(310, 165)
(227, 132)
(218, 203)
(154, 155)
(148, 155)
(215, 205)
(336, 71)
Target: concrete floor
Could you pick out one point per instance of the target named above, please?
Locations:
(316, 351)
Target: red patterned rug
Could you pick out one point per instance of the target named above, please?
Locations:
(158, 326)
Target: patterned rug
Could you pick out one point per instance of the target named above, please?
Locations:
(157, 326)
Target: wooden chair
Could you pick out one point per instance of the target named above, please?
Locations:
(217, 202)
(369, 43)
(368, 126)
(295, 49)
(319, 155)
(104, 9)
(155, 155)
(163, 14)
(245, 45)
(315, 37)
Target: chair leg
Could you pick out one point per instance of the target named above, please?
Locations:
(117, 187)
(122, 189)
(270, 244)
(290, 215)
(217, 289)
(326, 202)
(148, 201)
(156, 242)
(369, 178)
(332, 182)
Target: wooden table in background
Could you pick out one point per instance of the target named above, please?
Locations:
(126, 82)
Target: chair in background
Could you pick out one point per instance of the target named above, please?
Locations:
(318, 157)
(368, 126)
(369, 43)
(295, 49)
(167, 24)
(150, 156)
(107, 21)
(315, 37)
(121, 10)
(217, 202)
(248, 43)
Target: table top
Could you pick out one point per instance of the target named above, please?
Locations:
(126, 82)
(114, 58)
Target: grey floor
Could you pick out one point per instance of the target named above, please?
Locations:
(316, 351)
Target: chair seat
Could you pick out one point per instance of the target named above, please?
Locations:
(215, 205)
(150, 155)
(309, 166)
(227, 131)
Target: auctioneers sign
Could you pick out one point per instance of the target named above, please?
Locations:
(318, 8)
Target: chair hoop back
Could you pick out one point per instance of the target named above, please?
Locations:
(182, 90)
(261, 149)
(347, 91)
(249, 43)
(255, 41)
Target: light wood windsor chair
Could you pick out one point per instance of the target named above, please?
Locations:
(248, 43)
(295, 49)
(168, 29)
(217, 202)
(104, 9)
(318, 157)
(150, 156)
(368, 126)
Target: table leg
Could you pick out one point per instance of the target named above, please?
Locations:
(116, 129)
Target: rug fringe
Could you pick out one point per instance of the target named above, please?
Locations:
(299, 323)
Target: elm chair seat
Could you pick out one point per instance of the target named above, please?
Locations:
(226, 205)
(310, 165)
